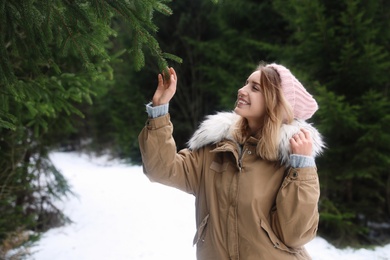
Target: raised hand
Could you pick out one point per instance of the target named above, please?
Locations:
(166, 88)
(301, 143)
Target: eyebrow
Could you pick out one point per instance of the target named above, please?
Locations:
(253, 82)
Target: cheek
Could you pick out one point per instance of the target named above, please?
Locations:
(261, 105)
(260, 101)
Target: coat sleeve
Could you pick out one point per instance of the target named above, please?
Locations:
(161, 161)
(295, 219)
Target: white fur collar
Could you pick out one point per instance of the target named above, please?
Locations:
(220, 126)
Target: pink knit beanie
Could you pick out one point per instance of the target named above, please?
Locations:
(302, 103)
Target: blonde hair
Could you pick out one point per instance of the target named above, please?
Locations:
(277, 112)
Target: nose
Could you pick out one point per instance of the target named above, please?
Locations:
(241, 92)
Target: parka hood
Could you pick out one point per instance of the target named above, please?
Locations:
(218, 127)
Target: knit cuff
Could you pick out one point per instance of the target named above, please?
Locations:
(301, 161)
(157, 111)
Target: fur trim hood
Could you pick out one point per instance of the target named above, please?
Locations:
(220, 126)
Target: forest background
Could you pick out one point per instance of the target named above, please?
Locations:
(75, 75)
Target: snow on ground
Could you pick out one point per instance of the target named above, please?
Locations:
(120, 215)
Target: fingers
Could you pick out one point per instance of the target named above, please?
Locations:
(165, 79)
(166, 87)
(160, 81)
(302, 135)
(297, 138)
(301, 143)
(166, 76)
(306, 133)
(173, 73)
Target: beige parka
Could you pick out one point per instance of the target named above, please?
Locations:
(246, 207)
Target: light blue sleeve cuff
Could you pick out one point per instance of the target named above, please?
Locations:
(301, 161)
(157, 111)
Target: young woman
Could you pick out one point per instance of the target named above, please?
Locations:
(252, 171)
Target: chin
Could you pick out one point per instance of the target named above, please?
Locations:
(238, 111)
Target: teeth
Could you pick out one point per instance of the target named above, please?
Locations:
(242, 102)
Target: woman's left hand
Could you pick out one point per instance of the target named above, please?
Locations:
(301, 143)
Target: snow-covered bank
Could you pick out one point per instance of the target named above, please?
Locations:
(119, 215)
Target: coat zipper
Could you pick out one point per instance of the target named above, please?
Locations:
(240, 159)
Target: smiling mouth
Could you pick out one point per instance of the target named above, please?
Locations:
(242, 102)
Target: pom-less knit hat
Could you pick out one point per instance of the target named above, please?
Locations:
(302, 103)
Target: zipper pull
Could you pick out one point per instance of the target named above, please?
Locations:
(240, 160)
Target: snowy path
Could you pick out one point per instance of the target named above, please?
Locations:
(120, 215)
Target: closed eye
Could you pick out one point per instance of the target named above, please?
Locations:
(256, 87)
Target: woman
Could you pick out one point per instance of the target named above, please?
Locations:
(252, 171)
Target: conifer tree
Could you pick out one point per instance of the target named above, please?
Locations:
(55, 56)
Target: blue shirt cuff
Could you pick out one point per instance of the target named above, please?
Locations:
(157, 111)
(301, 161)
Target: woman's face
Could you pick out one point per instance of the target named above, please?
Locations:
(250, 101)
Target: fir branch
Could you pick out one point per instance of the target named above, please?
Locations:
(7, 120)
(162, 8)
(100, 8)
(172, 57)
(72, 38)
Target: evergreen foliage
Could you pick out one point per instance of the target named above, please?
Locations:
(338, 49)
(344, 45)
(55, 58)
(217, 54)
(59, 57)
